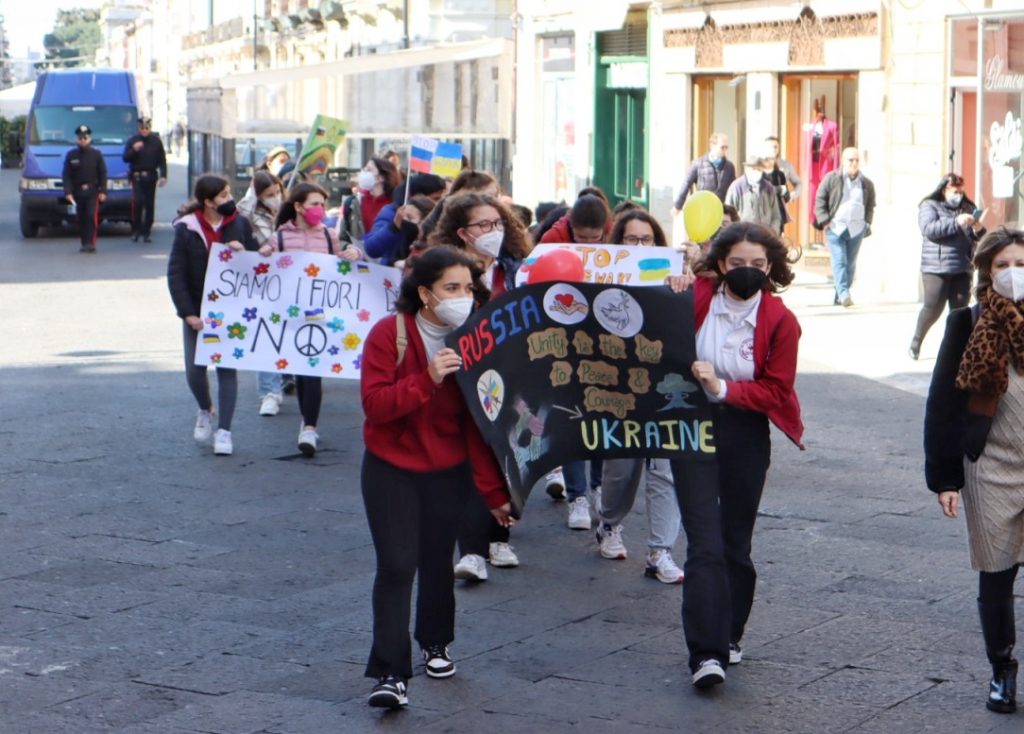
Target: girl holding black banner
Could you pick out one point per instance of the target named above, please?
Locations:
(423, 454)
(746, 362)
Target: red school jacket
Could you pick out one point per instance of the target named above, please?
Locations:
(776, 337)
(413, 423)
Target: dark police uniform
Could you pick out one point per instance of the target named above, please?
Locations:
(85, 178)
(148, 165)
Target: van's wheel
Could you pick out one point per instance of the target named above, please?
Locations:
(29, 229)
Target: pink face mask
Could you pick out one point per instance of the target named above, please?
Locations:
(313, 215)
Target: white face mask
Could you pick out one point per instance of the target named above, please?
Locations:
(1009, 283)
(273, 203)
(454, 311)
(275, 167)
(489, 243)
(366, 180)
(754, 177)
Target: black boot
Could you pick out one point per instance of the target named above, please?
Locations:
(999, 630)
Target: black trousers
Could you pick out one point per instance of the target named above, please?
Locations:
(310, 392)
(477, 526)
(413, 520)
(88, 207)
(143, 202)
(719, 501)
(940, 290)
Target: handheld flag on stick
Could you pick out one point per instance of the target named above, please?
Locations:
(325, 136)
(432, 156)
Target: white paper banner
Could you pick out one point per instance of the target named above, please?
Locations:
(619, 264)
(298, 313)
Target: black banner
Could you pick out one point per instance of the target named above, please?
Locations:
(557, 371)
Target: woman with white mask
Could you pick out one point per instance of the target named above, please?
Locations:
(974, 419)
(375, 185)
(423, 455)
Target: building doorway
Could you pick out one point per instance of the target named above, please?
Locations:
(719, 106)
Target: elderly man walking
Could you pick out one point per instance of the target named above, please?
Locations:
(844, 207)
(713, 171)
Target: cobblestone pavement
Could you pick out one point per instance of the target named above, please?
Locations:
(147, 586)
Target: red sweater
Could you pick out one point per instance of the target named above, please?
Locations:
(561, 232)
(776, 337)
(413, 423)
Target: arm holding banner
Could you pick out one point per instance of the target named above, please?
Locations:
(385, 396)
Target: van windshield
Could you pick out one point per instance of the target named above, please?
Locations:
(56, 125)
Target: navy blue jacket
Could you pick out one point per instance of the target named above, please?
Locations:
(946, 247)
(384, 240)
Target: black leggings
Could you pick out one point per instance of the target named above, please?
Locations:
(940, 290)
(996, 588)
(477, 526)
(310, 392)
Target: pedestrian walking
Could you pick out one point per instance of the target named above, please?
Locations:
(300, 228)
(375, 186)
(423, 454)
(85, 183)
(844, 207)
(949, 234)
(746, 362)
(754, 197)
(713, 171)
(147, 166)
(974, 418)
(177, 137)
(486, 230)
(211, 217)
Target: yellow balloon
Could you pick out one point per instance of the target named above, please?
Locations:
(702, 215)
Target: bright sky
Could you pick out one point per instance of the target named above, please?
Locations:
(26, 22)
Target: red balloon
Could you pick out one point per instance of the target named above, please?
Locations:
(564, 265)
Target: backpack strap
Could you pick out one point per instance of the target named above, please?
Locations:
(280, 241)
(330, 242)
(401, 340)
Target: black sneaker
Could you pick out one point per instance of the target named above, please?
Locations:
(735, 654)
(438, 662)
(389, 693)
(288, 384)
(709, 673)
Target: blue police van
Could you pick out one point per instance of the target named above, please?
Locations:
(104, 99)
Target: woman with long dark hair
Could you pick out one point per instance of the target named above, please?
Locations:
(949, 234)
(423, 455)
(375, 186)
(974, 420)
(210, 217)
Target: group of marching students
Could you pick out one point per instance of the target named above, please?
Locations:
(429, 481)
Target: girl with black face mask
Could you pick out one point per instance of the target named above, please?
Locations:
(746, 363)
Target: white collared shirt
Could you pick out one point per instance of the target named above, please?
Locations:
(726, 339)
(850, 215)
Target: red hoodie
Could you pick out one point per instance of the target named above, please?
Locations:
(561, 232)
(415, 424)
(776, 338)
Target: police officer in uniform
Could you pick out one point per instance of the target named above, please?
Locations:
(85, 181)
(144, 153)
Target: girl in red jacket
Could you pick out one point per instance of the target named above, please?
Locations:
(746, 363)
(423, 454)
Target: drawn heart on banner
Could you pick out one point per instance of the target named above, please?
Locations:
(565, 299)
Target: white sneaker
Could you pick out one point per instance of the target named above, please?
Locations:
(554, 484)
(270, 403)
(579, 514)
(502, 556)
(610, 541)
(204, 426)
(709, 673)
(471, 567)
(222, 443)
(661, 566)
(307, 441)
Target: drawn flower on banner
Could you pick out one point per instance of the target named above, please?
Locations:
(236, 331)
(215, 357)
(293, 311)
(363, 315)
(275, 318)
(282, 364)
(285, 261)
(344, 267)
(238, 353)
(214, 319)
(336, 325)
(249, 314)
(261, 268)
(336, 368)
(212, 296)
(387, 283)
(312, 270)
(225, 255)
(358, 362)
(333, 351)
(351, 341)
(314, 361)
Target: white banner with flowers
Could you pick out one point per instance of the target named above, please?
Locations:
(297, 313)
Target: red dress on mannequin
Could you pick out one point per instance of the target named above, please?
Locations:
(822, 150)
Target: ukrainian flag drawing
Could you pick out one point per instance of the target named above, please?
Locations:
(362, 268)
(316, 314)
(211, 339)
(654, 269)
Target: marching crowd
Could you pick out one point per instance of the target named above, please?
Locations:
(429, 482)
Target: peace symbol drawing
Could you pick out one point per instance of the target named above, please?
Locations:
(310, 340)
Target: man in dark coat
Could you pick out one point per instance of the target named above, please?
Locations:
(711, 172)
(85, 183)
(145, 156)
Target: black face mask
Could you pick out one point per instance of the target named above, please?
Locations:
(746, 281)
(227, 208)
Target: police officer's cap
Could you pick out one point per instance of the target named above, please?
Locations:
(82, 130)
(145, 122)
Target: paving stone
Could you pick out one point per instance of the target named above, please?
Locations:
(218, 674)
(243, 712)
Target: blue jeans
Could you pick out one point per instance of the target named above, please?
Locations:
(575, 473)
(268, 382)
(844, 250)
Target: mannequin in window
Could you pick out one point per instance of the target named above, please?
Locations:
(822, 149)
